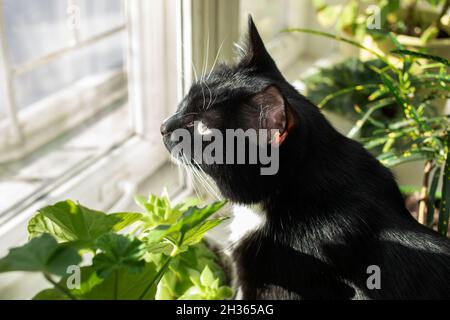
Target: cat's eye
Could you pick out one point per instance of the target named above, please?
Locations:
(202, 129)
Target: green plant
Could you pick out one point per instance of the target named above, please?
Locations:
(412, 85)
(347, 85)
(352, 17)
(156, 254)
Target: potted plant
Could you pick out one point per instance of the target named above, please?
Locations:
(154, 254)
(418, 25)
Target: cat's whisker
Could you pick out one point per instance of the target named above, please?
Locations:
(216, 58)
(239, 47)
(210, 96)
(200, 179)
(195, 71)
(194, 182)
(204, 97)
(189, 171)
(206, 180)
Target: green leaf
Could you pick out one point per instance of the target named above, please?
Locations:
(196, 235)
(118, 251)
(68, 221)
(51, 294)
(372, 107)
(444, 210)
(158, 211)
(41, 254)
(125, 285)
(193, 293)
(392, 160)
(88, 280)
(191, 219)
(224, 292)
(126, 219)
(395, 41)
(120, 285)
(195, 215)
(408, 109)
(430, 33)
(178, 279)
(206, 286)
(207, 277)
(422, 55)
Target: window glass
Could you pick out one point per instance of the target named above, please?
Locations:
(103, 56)
(99, 16)
(271, 15)
(35, 28)
(72, 106)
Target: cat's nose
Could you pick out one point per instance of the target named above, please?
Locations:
(168, 125)
(163, 128)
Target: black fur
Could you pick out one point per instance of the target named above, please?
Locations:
(331, 211)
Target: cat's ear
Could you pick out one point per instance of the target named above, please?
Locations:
(256, 54)
(272, 114)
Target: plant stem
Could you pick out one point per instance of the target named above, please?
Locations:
(424, 192)
(163, 269)
(59, 287)
(156, 278)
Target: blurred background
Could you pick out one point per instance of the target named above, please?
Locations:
(84, 86)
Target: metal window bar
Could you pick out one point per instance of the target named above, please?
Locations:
(10, 72)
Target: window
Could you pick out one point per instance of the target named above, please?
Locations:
(87, 84)
(60, 72)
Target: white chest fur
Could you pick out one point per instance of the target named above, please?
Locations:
(245, 220)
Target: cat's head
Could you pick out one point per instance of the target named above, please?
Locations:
(248, 95)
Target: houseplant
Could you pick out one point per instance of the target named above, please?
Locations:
(412, 86)
(156, 254)
(421, 25)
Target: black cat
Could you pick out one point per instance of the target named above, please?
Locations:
(333, 224)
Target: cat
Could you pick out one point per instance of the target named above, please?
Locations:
(331, 223)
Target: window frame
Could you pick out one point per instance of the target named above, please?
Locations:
(24, 131)
(108, 181)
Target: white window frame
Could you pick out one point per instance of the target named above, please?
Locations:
(108, 182)
(22, 132)
(217, 23)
